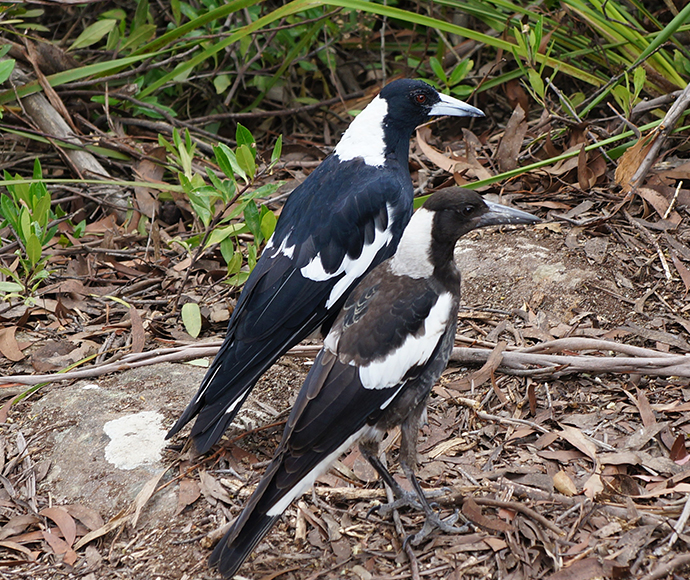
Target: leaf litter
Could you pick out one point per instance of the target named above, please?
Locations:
(564, 450)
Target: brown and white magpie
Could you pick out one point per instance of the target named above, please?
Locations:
(343, 220)
(386, 349)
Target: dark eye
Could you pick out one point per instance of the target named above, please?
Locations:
(420, 98)
(466, 210)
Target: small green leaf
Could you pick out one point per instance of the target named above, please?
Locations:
(460, 72)
(38, 171)
(41, 211)
(251, 256)
(437, 67)
(24, 224)
(113, 40)
(191, 317)
(251, 217)
(33, 249)
(227, 161)
(221, 83)
(244, 136)
(6, 68)
(245, 158)
(93, 33)
(227, 249)
(177, 15)
(140, 15)
(218, 235)
(10, 287)
(235, 263)
(277, 150)
(201, 204)
(639, 78)
(536, 83)
(268, 223)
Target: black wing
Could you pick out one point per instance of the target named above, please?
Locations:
(343, 230)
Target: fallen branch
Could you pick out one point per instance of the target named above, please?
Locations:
(522, 363)
(529, 361)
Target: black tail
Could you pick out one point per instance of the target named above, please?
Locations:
(231, 377)
(252, 524)
(231, 552)
(226, 386)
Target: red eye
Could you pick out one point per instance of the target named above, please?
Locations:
(420, 98)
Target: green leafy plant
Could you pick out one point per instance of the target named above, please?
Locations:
(225, 206)
(626, 95)
(452, 81)
(529, 39)
(26, 210)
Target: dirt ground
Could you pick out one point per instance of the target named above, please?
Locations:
(558, 476)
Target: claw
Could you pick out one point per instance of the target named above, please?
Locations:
(434, 522)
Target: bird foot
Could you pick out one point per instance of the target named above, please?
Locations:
(434, 522)
(406, 499)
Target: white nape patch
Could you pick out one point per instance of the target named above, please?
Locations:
(364, 136)
(135, 440)
(388, 371)
(353, 269)
(308, 480)
(412, 256)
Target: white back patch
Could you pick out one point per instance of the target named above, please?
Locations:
(412, 256)
(416, 350)
(353, 269)
(284, 249)
(364, 136)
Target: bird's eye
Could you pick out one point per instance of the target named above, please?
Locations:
(466, 210)
(420, 98)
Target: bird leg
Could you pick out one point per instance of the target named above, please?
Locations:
(408, 463)
(419, 499)
(402, 498)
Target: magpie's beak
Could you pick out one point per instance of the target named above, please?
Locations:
(451, 106)
(502, 214)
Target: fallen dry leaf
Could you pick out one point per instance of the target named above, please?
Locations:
(17, 525)
(87, 516)
(17, 548)
(188, 494)
(564, 485)
(511, 143)
(8, 344)
(138, 332)
(587, 569)
(660, 204)
(64, 521)
(631, 160)
(593, 486)
(473, 512)
(212, 489)
(578, 440)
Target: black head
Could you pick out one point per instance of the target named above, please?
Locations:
(411, 103)
(459, 211)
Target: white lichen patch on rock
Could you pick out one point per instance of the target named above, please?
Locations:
(135, 440)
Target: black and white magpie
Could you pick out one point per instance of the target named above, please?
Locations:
(386, 349)
(343, 220)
